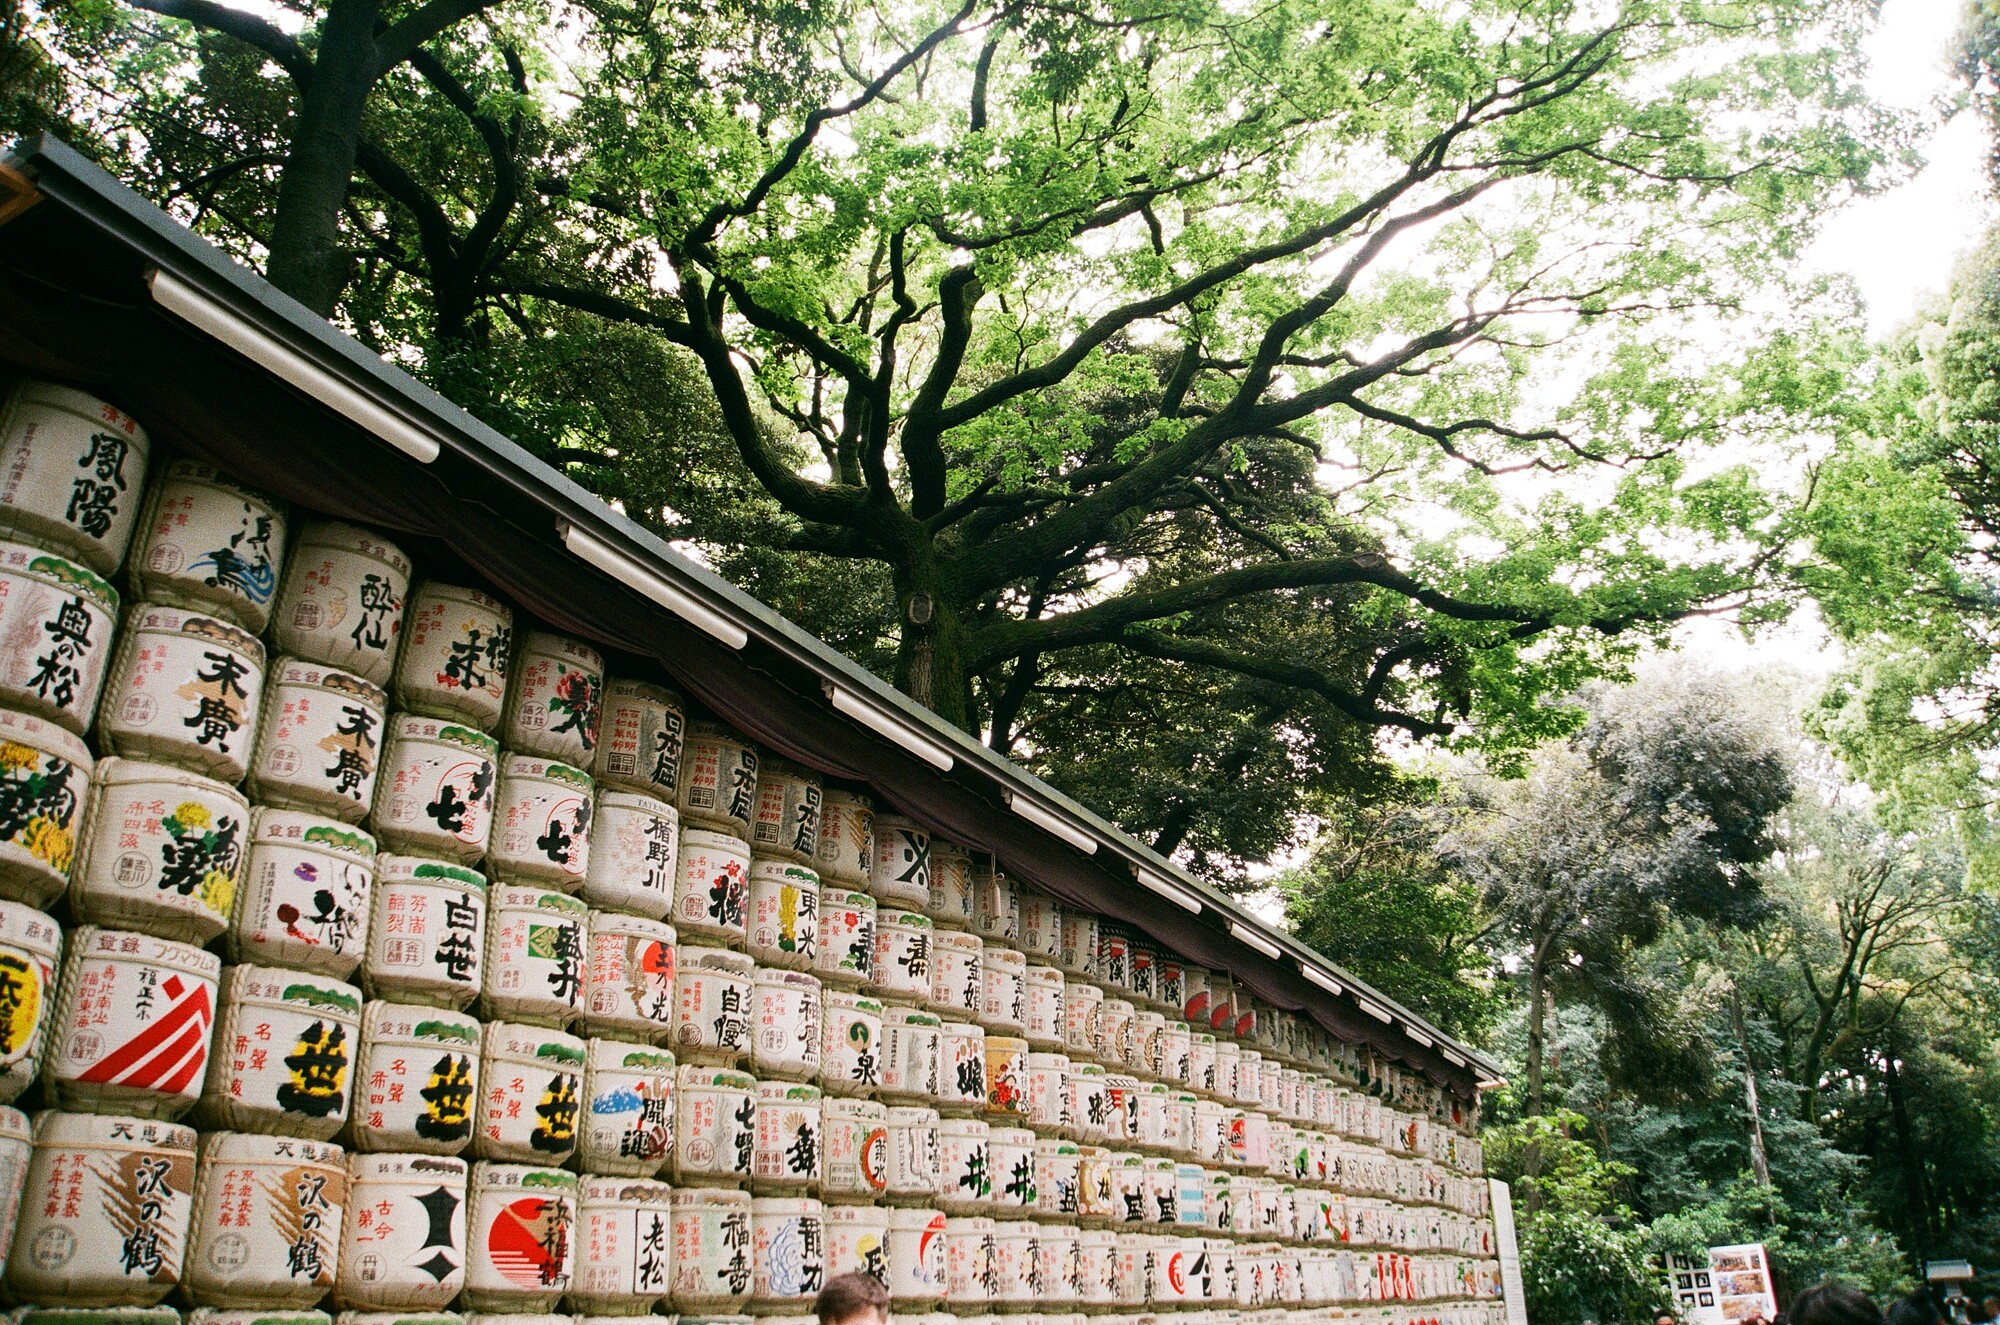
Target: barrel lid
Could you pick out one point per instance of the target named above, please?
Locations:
(353, 538)
(562, 646)
(597, 1187)
(804, 874)
(516, 897)
(14, 1125)
(901, 821)
(523, 1175)
(303, 672)
(637, 800)
(415, 726)
(463, 593)
(911, 1017)
(534, 766)
(313, 831)
(281, 984)
(604, 922)
(709, 729)
(796, 1091)
(506, 1037)
(41, 734)
(255, 1148)
(631, 687)
(164, 618)
(411, 1168)
(58, 1128)
(696, 1074)
(426, 1023)
(846, 796)
(68, 398)
(695, 957)
(94, 940)
(116, 771)
(711, 1196)
(392, 868)
(714, 839)
(72, 575)
(610, 1055)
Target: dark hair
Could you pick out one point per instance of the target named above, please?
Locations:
(849, 1295)
(1832, 1303)
(1916, 1309)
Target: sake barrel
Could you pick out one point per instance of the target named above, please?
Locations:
(1114, 959)
(914, 1167)
(899, 875)
(1076, 950)
(1228, 1065)
(715, 1125)
(44, 788)
(634, 841)
(1166, 1271)
(951, 902)
(537, 945)
(1006, 1076)
(163, 851)
(531, 1093)
(857, 1137)
(785, 1028)
(16, 1146)
(426, 932)
(342, 599)
(1059, 1270)
(1249, 1078)
(1149, 1030)
(1016, 1257)
(1039, 929)
(1181, 1106)
(131, 1026)
(207, 542)
(58, 618)
(790, 1137)
(624, 1263)
(857, 1241)
(966, 1164)
(968, 1260)
(628, 1115)
(541, 823)
(712, 1260)
(718, 786)
(1191, 1202)
(788, 1253)
(1171, 985)
(1222, 1003)
(1210, 1138)
(1128, 1188)
(711, 886)
(307, 888)
(1098, 1250)
(1163, 1191)
(628, 988)
(1141, 975)
(1197, 997)
(1046, 1102)
(712, 1013)
(72, 473)
(846, 850)
(555, 698)
(639, 739)
(916, 1247)
(845, 955)
(1003, 988)
(902, 957)
(996, 904)
(1044, 989)
(1011, 1153)
(267, 1220)
(783, 927)
(1056, 1174)
(1221, 1204)
(415, 1079)
(1097, 1200)
(434, 794)
(521, 1222)
(1090, 1102)
(283, 1062)
(850, 1052)
(961, 1067)
(404, 1246)
(458, 646)
(1083, 1005)
(1201, 1061)
(912, 1056)
(1113, 1041)
(319, 741)
(786, 821)
(184, 689)
(106, 1211)
(1176, 1046)
(30, 951)
(957, 973)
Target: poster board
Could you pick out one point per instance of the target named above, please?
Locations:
(1509, 1247)
(1743, 1286)
(1693, 1287)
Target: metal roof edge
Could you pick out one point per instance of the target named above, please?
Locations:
(67, 176)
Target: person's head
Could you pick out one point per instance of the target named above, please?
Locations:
(1916, 1309)
(1833, 1303)
(1990, 1309)
(852, 1299)
(1664, 1318)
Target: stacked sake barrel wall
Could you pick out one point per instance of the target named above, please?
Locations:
(368, 949)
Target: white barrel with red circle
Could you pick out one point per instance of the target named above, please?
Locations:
(784, 914)
(458, 644)
(857, 1138)
(917, 1274)
(555, 698)
(132, 1024)
(267, 1218)
(343, 598)
(625, 1246)
(628, 985)
(718, 786)
(521, 1223)
(106, 1211)
(541, 823)
(712, 886)
(285, 1046)
(434, 794)
(627, 1125)
(207, 542)
(403, 1245)
(531, 1096)
(639, 739)
(416, 1079)
(72, 473)
(163, 851)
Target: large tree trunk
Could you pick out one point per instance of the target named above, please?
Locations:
(306, 258)
(1910, 1155)
(1760, 1163)
(1537, 1023)
(930, 655)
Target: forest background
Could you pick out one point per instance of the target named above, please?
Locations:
(1302, 431)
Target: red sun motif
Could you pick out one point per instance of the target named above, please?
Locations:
(520, 1247)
